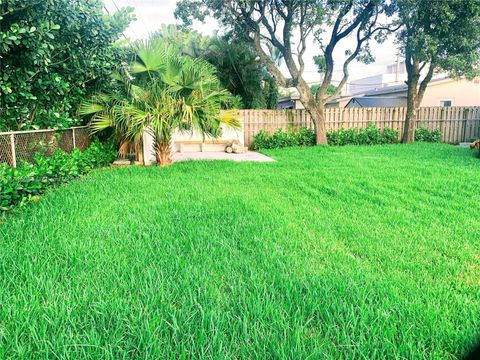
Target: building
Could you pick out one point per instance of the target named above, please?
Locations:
(290, 102)
(377, 102)
(394, 74)
(443, 91)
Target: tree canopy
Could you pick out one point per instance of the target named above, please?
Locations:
(441, 35)
(53, 53)
(235, 60)
(287, 26)
(161, 92)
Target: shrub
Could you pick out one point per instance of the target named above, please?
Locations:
(262, 141)
(371, 135)
(390, 136)
(281, 138)
(427, 135)
(306, 137)
(27, 181)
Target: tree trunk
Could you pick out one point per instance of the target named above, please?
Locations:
(410, 123)
(318, 116)
(411, 115)
(317, 112)
(163, 152)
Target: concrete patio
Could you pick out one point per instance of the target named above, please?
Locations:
(221, 155)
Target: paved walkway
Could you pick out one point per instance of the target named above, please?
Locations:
(220, 155)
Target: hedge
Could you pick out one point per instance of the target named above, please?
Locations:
(27, 181)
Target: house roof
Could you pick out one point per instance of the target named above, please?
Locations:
(400, 87)
(378, 101)
(386, 90)
(289, 98)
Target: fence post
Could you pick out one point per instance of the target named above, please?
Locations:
(12, 148)
(73, 138)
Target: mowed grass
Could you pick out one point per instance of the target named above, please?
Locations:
(341, 253)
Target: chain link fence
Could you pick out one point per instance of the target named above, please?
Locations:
(18, 146)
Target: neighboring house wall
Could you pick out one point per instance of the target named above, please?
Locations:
(299, 105)
(373, 82)
(387, 94)
(443, 92)
(394, 74)
(290, 103)
(460, 93)
(338, 103)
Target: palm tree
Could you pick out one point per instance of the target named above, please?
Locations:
(162, 92)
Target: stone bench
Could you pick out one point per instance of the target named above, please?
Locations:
(182, 143)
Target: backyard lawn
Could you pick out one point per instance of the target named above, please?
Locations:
(347, 252)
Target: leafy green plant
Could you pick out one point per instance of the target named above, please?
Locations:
(305, 137)
(27, 181)
(281, 138)
(371, 135)
(427, 135)
(390, 136)
(262, 140)
(54, 53)
(162, 92)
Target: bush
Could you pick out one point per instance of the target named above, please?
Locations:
(281, 138)
(306, 137)
(426, 135)
(27, 181)
(371, 135)
(390, 136)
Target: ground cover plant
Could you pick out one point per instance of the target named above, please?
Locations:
(427, 135)
(29, 180)
(330, 252)
(371, 135)
(281, 139)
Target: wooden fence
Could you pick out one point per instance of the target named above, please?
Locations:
(457, 124)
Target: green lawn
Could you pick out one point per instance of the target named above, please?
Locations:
(353, 252)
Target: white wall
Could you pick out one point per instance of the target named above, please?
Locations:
(460, 93)
(228, 134)
(374, 82)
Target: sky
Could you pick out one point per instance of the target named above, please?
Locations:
(152, 13)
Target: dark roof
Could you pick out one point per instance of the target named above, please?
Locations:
(396, 88)
(387, 90)
(289, 97)
(377, 102)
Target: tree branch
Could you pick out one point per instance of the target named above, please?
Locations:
(267, 61)
(423, 85)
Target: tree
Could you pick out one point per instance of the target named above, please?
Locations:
(162, 92)
(330, 90)
(436, 35)
(235, 61)
(240, 72)
(53, 53)
(287, 25)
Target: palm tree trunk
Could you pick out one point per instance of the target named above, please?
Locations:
(163, 152)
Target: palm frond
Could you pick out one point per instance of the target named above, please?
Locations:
(101, 121)
(230, 118)
(88, 108)
(166, 92)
